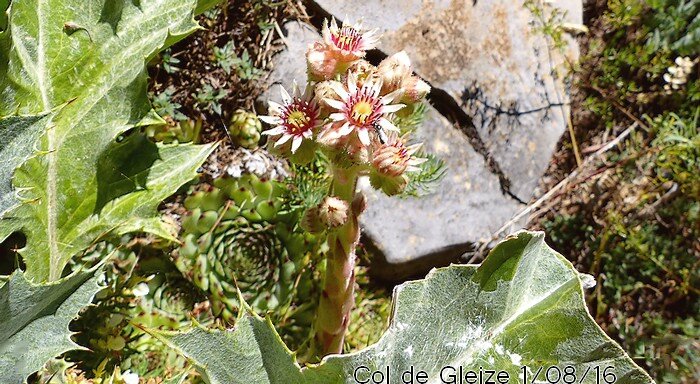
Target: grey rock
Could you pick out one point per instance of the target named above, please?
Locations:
(416, 234)
(290, 64)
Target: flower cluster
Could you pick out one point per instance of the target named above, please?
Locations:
(349, 107)
(677, 75)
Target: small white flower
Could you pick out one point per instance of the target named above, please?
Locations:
(130, 377)
(255, 163)
(234, 170)
(677, 75)
(140, 290)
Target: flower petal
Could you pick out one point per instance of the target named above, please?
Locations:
(345, 129)
(392, 108)
(388, 98)
(352, 83)
(274, 131)
(386, 124)
(337, 104)
(275, 107)
(296, 143)
(270, 119)
(340, 90)
(285, 138)
(326, 32)
(338, 116)
(363, 134)
(285, 96)
(411, 149)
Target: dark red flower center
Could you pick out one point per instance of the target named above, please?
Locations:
(299, 116)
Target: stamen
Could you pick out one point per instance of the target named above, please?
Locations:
(347, 38)
(361, 112)
(298, 117)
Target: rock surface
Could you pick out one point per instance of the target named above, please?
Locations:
(500, 73)
(290, 64)
(416, 234)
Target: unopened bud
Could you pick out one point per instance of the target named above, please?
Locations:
(324, 90)
(245, 129)
(390, 160)
(415, 89)
(311, 222)
(363, 71)
(393, 70)
(333, 212)
(390, 185)
(321, 62)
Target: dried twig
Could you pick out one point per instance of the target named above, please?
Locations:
(279, 31)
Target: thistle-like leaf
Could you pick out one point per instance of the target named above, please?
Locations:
(34, 321)
(84, 60)
(17, 137)
(523, 307)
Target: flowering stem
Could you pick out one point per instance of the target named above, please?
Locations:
(338, 296)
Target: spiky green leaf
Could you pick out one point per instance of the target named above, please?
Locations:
(17, 137)
(85, 61)
(522, 307)
(34, 321)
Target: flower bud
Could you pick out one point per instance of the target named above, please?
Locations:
(322, 64)
(324, 90)
(333, 212)
(390, 160)
(311, 222)
(363, 72)
(245, 129)
(414, 89)
(390, 185)
(393, 70)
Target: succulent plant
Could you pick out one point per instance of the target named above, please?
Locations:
(346, 115)
(143, 288)
(184, 131)
(240, 234)
(103, 328)
(245, 129)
